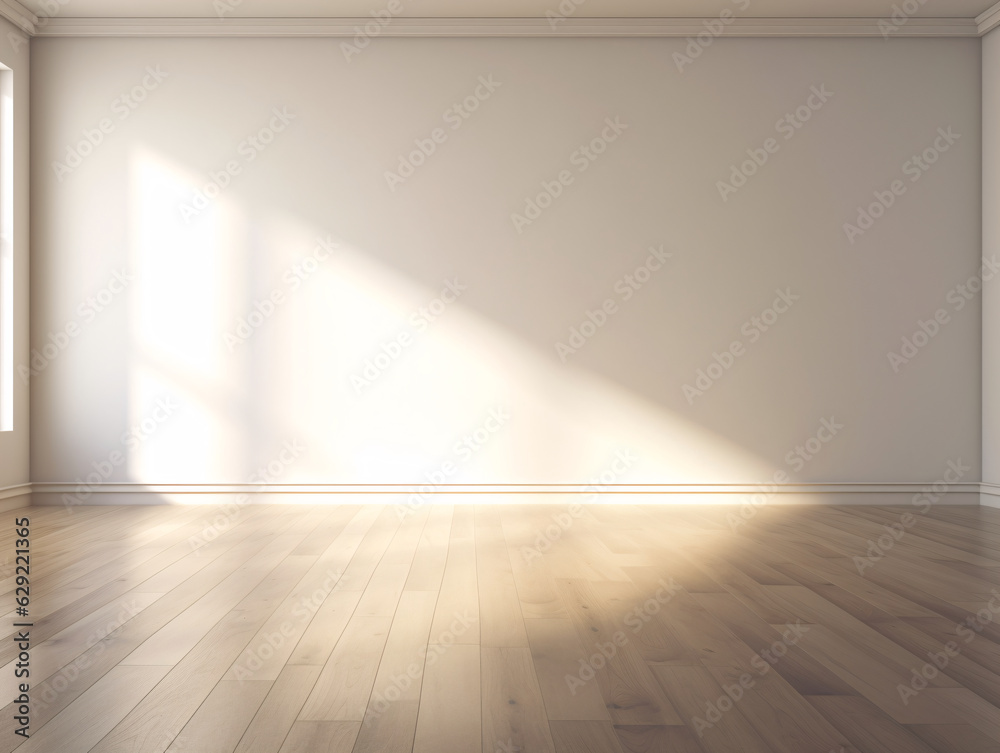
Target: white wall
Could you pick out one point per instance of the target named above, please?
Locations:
(164, 335)
(991, 246)
(14, 445)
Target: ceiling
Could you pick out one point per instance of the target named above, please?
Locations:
(965, 9)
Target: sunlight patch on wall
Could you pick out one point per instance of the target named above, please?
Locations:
(269, 330)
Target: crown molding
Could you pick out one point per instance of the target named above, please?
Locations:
(20, 16)
(496, 27)
(988, 20)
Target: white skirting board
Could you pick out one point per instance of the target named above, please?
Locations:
(70, 495)
(990, 495)
(15, 503)
(14, 497)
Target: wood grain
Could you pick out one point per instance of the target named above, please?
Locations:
(497, 629)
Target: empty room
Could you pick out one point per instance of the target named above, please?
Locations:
(509, 376)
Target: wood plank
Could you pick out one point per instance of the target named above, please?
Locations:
(321, 737)
(866, 726)
(219, 723)
(626, 684)
(532, 576)
(952, 738)
(878, 681)
(325, 628)
(169, 706)
(97, 711)
(391, 715)
(797, 667)
(693, 690)
(459, 594)
(584, 737)
(513, 712)
(334, 605)
(501, 623)
(557, 653)
(344, 686)
(450, 704)
(657, 739)
(277, 714)
(432, 552)
(782, 717)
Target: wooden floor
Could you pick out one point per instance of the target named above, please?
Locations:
(312, 629)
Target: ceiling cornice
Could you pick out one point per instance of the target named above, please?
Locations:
(497, 27)
(988, 20)
(20, 16)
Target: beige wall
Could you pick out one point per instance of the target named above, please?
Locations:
(227, 407)
(14, 55)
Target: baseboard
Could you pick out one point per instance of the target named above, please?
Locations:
(119, 493)
(15, 497)
(989, 495)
